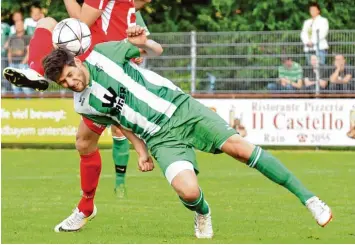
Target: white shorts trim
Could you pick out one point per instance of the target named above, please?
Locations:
(175, 168)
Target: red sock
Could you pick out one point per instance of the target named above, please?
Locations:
(90, 169)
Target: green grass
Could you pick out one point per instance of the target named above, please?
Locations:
(41, 187)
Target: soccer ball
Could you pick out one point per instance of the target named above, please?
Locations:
(72, 35)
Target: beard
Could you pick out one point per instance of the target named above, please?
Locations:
(81, 83)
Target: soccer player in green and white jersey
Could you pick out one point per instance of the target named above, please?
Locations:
(155, 114)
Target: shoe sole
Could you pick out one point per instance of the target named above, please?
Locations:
(20, 80)
(60, 229)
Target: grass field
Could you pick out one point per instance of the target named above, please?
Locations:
(41, 187)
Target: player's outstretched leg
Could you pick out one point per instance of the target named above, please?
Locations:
(272, 168)
(40, 46)
(90, 169)
(182, 177)
(120, 155)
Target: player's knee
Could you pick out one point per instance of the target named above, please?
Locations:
(48, 23)
(84, 145)
(237, 147)
(190, 193)
(80, 145)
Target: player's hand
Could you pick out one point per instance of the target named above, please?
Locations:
(145, 164)
(136, 35)
(138, 60)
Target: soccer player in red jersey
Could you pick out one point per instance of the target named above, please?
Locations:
(108, 21)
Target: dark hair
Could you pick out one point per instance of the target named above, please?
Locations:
(17, 11)
(36, 5)
(54, 63)
(315, 5)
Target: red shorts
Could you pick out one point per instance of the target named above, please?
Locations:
(40, 46)
(95, 127)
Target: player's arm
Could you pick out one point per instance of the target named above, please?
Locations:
(136, 35)
(145, 162)
(88, 13)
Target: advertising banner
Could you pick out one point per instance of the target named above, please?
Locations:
(41, 121)
(298, 122)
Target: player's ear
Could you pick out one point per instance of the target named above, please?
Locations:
(77, 62)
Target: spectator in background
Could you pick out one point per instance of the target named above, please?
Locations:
(5, 32)
(290, 76)
(16, 16)
(212, 82)
(18, 52)
(310, 74)
(341, 77)
(31, 23)
(314, 34)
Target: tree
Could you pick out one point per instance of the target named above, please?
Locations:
(218, 15)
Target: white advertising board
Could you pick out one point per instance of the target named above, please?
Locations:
(307, 122)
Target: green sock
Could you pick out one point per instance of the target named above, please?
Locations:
(120, 154)
(199, 205)
(273, 169)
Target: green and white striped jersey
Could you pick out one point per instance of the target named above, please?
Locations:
(122, 93)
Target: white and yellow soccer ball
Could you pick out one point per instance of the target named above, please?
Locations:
(72, 35)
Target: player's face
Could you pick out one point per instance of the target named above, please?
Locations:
(73, 78)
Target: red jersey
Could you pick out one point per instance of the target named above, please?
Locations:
(112, 24)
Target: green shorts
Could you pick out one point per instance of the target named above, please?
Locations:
(192, 126)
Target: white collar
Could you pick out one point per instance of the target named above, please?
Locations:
(318, 17)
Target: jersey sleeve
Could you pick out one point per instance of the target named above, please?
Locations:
(132, 52)
(140, 22)
(97, 4)
(119, 52)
